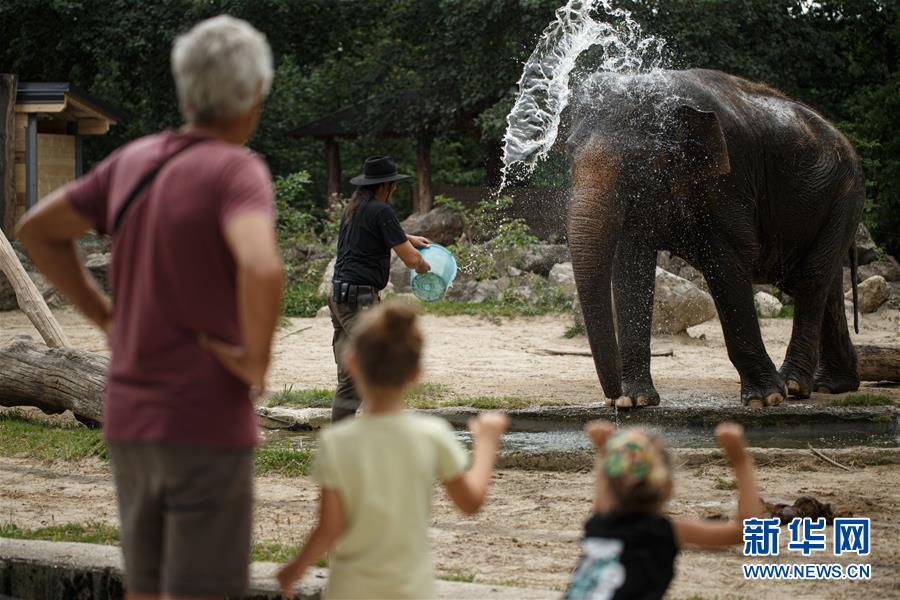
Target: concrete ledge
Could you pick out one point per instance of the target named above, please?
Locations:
(70, 571)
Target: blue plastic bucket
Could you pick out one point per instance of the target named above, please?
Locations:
(433, 285)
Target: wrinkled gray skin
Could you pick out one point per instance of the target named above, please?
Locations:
(746, 185)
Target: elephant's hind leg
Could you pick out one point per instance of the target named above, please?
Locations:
(838, 370)
(730, 283)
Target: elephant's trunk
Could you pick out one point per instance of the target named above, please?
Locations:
(594, 223)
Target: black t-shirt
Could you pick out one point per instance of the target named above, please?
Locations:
(364, 245)
(625, 556)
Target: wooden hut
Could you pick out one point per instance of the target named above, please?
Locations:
(41, 131)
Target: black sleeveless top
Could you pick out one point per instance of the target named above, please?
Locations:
(625, 556)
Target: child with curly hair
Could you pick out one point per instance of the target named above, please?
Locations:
(377, 472)
(629, 546)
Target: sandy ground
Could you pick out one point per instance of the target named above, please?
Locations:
(528, 532)
(527, 535)
(475, 357)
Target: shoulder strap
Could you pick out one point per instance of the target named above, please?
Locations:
(145, 181)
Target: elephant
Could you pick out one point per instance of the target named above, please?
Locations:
(746, 185)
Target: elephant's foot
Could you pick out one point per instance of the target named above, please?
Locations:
(640, 393)
(758, 394)
(635, 395)
(835, 382)
(798, 383)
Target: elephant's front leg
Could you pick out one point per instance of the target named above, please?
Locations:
(634, 279)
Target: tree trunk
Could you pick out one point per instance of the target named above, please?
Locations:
(8, 200)
(878, 363)
(52, 379)
(29, 298)
(424, 195)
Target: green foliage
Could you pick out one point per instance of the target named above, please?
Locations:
(315, 397)
(20, 436)
(496, 240)
(289, 462)
(862, 400)
(92, 532)
(302, 299)
(574, 331)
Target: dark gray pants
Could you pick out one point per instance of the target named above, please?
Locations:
(343, 318)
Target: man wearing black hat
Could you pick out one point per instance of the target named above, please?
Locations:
(369, 230)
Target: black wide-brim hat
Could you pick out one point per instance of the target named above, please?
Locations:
(378, 169)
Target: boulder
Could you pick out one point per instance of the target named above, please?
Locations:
(540, 258)
(51, 296)
(326, 286)
(680, 267)
(679, 304)
(400, 275)
(866, 249)
(323, 313)
(98, 264)
(873, 292)
(442, 225)
(885, 266)
(478, 291)
(563, 276)
(767, 305)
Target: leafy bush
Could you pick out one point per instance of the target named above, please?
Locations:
(496, 241)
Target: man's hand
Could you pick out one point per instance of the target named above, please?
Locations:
(287, 576)
(489, 426)
(599, 432)
(418, 241)
(251, 371)
(731, 439)
(422, 267)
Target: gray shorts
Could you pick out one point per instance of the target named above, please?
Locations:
(186, 515)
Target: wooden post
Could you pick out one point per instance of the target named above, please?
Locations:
(333, 166)
(8, 200)
(29, 298)
(424, 198)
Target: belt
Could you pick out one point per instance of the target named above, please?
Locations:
(353, 294)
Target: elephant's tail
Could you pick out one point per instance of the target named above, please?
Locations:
(853, 261)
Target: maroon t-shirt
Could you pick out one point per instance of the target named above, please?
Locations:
(172, 278)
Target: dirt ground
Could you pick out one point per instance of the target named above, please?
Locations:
(528, 531)
(475, 357)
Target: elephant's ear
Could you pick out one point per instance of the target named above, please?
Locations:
(702, 142)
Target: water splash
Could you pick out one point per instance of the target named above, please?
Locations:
(544, 87)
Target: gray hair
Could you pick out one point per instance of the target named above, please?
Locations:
(218, 66)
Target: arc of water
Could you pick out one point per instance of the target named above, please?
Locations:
(544, 87)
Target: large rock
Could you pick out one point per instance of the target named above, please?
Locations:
(873, 292)
(866, 249)
(442, 225)
(400, 275)
(540, 258)
(478, 291)
(98, 264)
(885, 266)
(326, 286)
(767, 305)
(677, 305)
(51, 296)
(563, 276)
(680, 267)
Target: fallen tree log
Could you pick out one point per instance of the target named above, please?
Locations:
(878, 363)
(52, 379)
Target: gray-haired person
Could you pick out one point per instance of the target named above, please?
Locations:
(369, 231)
(196, 281)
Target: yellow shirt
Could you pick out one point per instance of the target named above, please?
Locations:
(384, 468)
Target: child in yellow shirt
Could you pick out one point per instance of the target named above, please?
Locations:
(377, 472)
